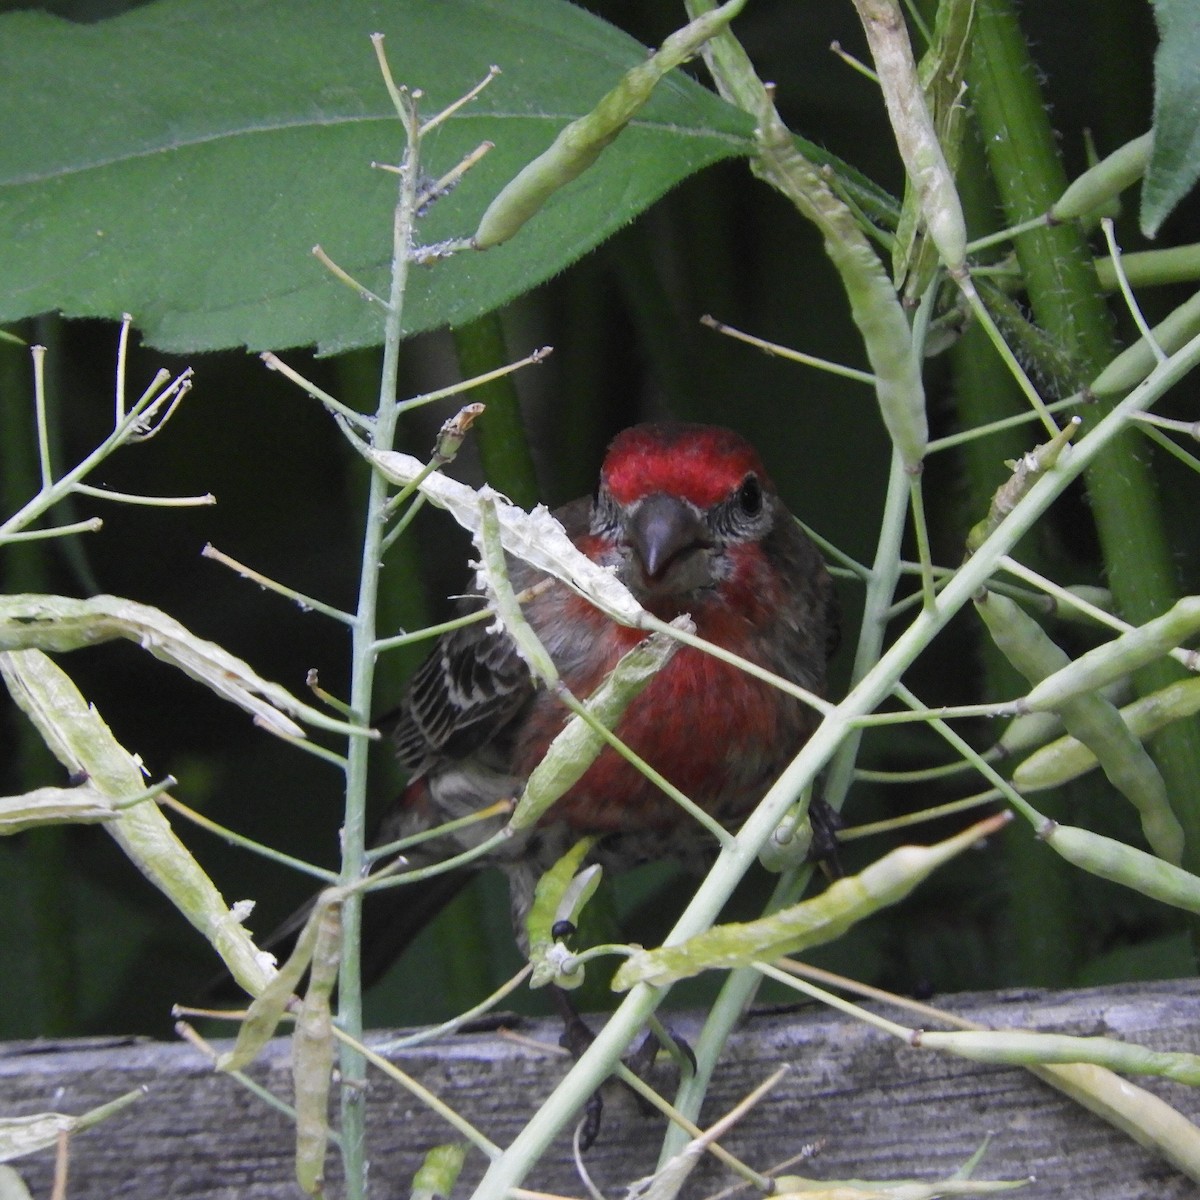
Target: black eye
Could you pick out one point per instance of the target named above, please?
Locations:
(750, 497)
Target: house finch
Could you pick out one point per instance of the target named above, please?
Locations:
(692, 524)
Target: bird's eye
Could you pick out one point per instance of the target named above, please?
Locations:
(750, 497)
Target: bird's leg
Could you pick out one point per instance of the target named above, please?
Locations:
(576, 1038)
(826, 824)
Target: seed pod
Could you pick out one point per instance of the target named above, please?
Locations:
(1026, 732)
(1023, 1047)
(581, 142)
(272, 1002)
(1091, 719)
(1132, 365)
(1117, 658)
(83, 804)
(81, 741)
(575, 748)
(887, 35)
(874, 305)
(1145, 1117)
(941, 73)
(877, 312)
(312, 1052)
(439, 1172)
(810, 923)
(1107, 179)
(1068, 758)
(1127, 865)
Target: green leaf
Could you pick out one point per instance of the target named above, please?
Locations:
(1175, 161)
(180, 161)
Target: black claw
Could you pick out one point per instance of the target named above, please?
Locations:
(685, 1048)
(576, 1036)
(642, 1059)
(592, 1112)
(826, 822)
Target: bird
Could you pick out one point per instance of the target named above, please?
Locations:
(689, 520)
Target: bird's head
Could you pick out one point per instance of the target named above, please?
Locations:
(680, 504)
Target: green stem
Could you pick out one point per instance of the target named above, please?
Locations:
(1042, 942)
(735, 996)
(881, 591)
(365, 637)
(1065, 295)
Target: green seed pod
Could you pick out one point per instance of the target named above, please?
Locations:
(312, 1053)
(1127, 865)
(941, 72)
(1117, 658)
(1068, 758)
(1097, 597)
(439, 1172)
(1151, 268)
(272, 1002)
(1091, 719)
(1141, 1114)
(54, 806)
(1026, 732)
(916, 139)
(1024, 1048)
(1106, 180)
(81, 741)
(888, 339)
(874, 305)
(1034, 731)
(810, 923)
(582, 141)
(575, 748)
(1131, 366)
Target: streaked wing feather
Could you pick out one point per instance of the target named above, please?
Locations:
(473, 684)
(464, 694)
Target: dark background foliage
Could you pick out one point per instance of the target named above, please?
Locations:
(86, 946)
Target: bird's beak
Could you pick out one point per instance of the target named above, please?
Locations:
(661, 529)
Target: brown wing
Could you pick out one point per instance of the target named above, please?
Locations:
(469, 688)
(472, 686)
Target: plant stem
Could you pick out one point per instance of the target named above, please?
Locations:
(1067, 302)
(1043, 944)
(364, 639)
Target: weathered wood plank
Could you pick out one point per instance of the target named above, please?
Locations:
(879, 1109)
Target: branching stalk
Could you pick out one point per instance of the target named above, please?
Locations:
(364, 637)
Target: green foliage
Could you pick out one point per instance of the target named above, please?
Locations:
(1175, 162)
(257, 141)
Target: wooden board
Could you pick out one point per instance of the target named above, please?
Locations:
(877, 1108)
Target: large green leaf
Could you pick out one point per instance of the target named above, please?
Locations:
(1175, 161)
(179, 162)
